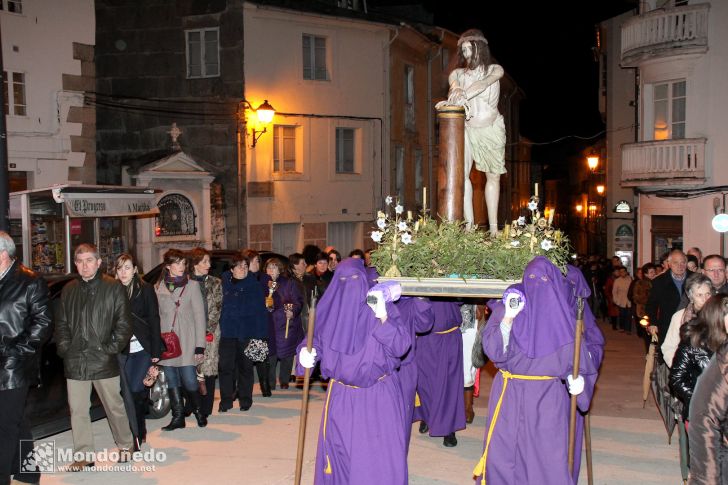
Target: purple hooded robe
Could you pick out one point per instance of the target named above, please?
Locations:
(529, 438)
(441, 382)
(418, 318)
(361, 438)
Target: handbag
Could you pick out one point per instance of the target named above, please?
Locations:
(170, 339)
(256, 350)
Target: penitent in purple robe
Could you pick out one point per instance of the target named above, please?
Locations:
(529, 442)
(439, 360)
(361, 438)
(418, 318)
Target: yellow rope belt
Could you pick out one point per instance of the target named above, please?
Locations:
(507, 376)
(328, 470)
(448, 330)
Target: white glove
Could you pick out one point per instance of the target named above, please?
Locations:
(307, 359)
(576, 386)
(514, 305)
(375, 300)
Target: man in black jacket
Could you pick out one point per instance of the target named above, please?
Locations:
(24, 326)
(665, 294)
(93, 325)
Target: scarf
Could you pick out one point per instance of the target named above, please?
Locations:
(174, 282)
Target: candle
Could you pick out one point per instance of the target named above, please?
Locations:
(409, 215)
(551, 216)
(424, 198)
(535, 189)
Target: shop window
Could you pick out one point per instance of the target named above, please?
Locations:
(176, 216)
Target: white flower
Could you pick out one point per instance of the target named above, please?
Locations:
(402, 226)
(533, 205)
(398, 209)
(521, 221)
(407, 238)
(380, 215)
(546, 244)
(377, 236)
(388, 200)
(381, 223)
(515, 243)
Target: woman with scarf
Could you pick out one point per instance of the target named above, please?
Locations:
(530, 339)
(199, 261)
(243, 318)
(182, 310)
(698, 289)
(145, 345)
(284, 302)
(362, 433)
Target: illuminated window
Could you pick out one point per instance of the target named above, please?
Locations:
(669, 110)
(284, 149)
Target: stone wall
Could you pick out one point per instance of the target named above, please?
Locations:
(142, 88)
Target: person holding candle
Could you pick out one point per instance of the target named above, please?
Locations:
(284, 303)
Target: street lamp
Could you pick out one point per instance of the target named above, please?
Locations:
(579, 208)
(600, 189)
(592, 161)
(265, 113)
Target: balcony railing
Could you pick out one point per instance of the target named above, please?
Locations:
(673, 162)
(665, 32)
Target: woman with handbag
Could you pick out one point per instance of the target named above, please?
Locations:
(211, 286)
(182, 317)
(243, 330)
(145, 345)
(284, 302)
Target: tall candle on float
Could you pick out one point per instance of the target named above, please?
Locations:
(535, 189)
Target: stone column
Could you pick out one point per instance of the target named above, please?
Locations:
(450, 176)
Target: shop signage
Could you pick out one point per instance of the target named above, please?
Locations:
(624, 238)
(623, 207)
(109, 205)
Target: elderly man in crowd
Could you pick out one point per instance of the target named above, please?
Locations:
(667, 290)
(714, 268)
(24, 326)
(93, 325)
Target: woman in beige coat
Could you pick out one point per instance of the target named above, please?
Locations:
(182, 310)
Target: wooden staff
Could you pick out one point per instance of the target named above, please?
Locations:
(304, 399)
(587, 444)
(574, 375)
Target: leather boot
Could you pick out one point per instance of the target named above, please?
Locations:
(178, 409)
(450, 440)
(140, 409)
(469, 412)
(262, 369)
(194, 397)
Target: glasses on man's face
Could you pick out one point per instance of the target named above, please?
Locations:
(716, 270)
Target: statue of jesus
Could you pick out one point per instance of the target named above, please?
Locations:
(475, 85)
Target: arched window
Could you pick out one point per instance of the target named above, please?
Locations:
(176, 216)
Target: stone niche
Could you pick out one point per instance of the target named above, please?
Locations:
(185, 214)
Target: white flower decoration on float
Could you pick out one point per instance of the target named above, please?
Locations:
(377, 236)
(532, 206)
(546, 244)
(407, 238)
(521, 221)
(515, 244)
(388, 200)
(381, 223)
(402, 226)
(381, 215)
(398, 209)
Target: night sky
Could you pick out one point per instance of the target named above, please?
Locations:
(547, 48)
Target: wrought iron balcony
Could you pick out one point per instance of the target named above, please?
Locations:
(665, 162)
(665, 32)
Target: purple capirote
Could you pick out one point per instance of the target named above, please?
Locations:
(529, 442)
(361, 438)
(441, 381)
